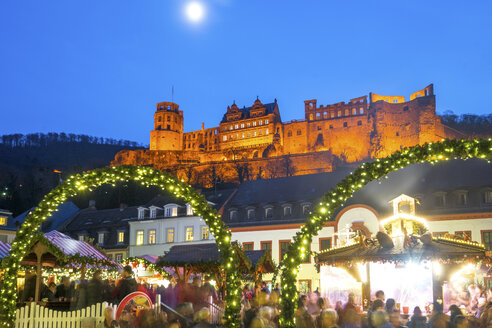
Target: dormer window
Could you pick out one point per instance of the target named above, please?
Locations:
(189, 210)
(251, 213)
(487, 197)
(305, 209)
(269, 212)
(461, 197)
(81, 237)
(100, 238)
(233, 215)
(3, 220)
(153, 212)
(171, 210)
(287, 210)
(141, 212)
(440, 199)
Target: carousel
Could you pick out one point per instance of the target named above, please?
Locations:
(408, 264)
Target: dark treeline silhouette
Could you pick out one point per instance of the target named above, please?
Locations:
(46, 139)
(33, 164)
(470, 124)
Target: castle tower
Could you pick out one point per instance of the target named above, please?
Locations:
(168, 127)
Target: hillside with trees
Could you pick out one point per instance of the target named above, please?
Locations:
(475, 126)
(33, 164)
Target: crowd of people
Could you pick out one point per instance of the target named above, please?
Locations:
(190, 305)
(260, 309)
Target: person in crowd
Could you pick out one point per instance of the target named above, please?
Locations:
(80, 300)
(394, 319)
(321, 305)
(64, 291)
(454, 311)
(438, 318)
(48, 292)
(380, 295)
(29, 287)
(127, 284)
(377, 305)
(303, 318)
(349, 317)
(169, 294)
(417, 320)
(202, 319)
(277, 288)
(96, 291)
(460, 321)
(327, 319)
(109, 321)
(380, 319)
(264, 288)
(390, 305)
(339, 307)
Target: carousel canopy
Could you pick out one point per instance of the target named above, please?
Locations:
(437, 249)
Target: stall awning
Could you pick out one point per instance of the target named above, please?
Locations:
(261, 260)
(438, 249)
(4, 249)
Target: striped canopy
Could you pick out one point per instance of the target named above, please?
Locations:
(4, 249)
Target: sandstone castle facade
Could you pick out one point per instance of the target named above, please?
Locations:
(253, 142)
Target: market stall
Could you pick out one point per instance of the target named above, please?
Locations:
(405, 261)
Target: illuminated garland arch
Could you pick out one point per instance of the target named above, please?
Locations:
(110, 175)
(336, 197)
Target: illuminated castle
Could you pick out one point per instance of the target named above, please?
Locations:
(365, 127)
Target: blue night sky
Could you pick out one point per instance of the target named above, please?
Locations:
(99, 67)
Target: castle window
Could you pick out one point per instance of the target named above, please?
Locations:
(339, 113)
(162, 107)
(242, 135)
(225, 138)
(168, 127)
(397, 134)
(299, 132)
(242, 125)
(318, 115)
(175, 119)
(237, 135)
(254, 134)
(325, 114)
(248, 134)
(331, 126)
(405, 108)
(254, 123)
(359, 122)
(361, 110)
(345, 124)
(346, 112)
(260, 122)
(310, 117)
(251, 213)
(168, 118)
(354, 111)
(159, 119)
(395, 100)
(158, 127)
(248, 124)
(266, 132)
(289, 134)
(319, 127)
(231, 128)
(266, 121)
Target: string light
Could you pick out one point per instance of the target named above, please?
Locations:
(430, 152)
(90, 180)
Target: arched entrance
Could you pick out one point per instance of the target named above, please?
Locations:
(109, 175)
(335, 198)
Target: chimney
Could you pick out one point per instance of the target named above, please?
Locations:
(203, 126)
(92, 204)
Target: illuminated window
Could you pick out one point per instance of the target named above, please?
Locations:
(242, 125)
(171, 211)
(260, 122)
(225, 138)
(346, 112)
(236, 126)
(332, 114)
(100, 238)
(152, 237)
(205, 233)
(305, 286)
(170, 235)
(189, 234)
(299, 132)
(121, 236)
(266, 121)
(3, 220)
(266, 132)
(248, 124)
(289, 134)
(339, 113)
(81, 237)
(254, 134)
(361, 110)
(254, 123)
(354, 111)
(140, 237)
(119, 257)
(189, 209)
(230, 128)
(242, 135)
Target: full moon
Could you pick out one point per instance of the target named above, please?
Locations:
(194, 11)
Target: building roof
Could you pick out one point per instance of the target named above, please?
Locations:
(269, 109)
(422, 181)
(57, 219)
(11, 226)
(440, 248)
